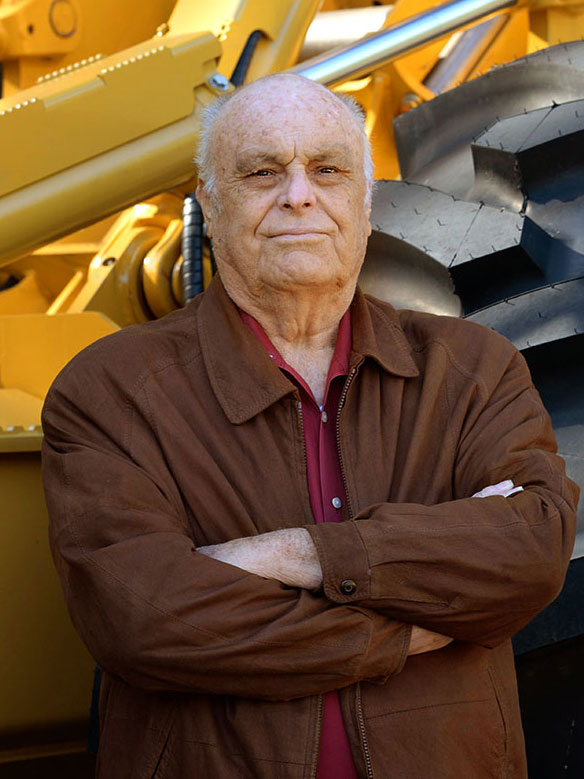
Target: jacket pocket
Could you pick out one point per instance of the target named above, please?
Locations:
(163, 764)
(442, 718)
(502, 716)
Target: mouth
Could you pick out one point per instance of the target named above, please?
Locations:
(299, 233)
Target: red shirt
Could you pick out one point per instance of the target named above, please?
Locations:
(327, 495)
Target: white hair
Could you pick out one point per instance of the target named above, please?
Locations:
(204, 155)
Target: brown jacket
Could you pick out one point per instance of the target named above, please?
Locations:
(183, 432)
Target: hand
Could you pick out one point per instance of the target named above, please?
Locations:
(423, 640)
(288, 555)
(503, 488)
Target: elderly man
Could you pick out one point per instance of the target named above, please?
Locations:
(262, 505)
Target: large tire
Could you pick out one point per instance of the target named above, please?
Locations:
(489, 222)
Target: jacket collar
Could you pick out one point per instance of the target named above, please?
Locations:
(377, 333)
(245, 379)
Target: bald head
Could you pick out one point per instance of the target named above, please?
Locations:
(289, 94)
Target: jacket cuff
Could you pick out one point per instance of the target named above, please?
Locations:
(346, 572)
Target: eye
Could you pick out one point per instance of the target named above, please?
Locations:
(327, 169)
(262, 173)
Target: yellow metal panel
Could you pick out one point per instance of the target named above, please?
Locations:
(85, 113)
(95, 33)
(72, 198)
(45, 672)
(39, 27)
(24, 297)
(19, 409)
(34, 347)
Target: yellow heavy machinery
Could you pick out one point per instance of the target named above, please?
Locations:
(98, 126)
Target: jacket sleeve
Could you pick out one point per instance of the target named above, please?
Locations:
(475, 569)
(161, 616)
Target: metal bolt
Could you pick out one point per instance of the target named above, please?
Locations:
(162, 29)
(219, 82)
(409, 101)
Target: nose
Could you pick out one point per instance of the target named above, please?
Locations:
(298, 193)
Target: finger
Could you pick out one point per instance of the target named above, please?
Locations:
(495, 489)
(513, 491)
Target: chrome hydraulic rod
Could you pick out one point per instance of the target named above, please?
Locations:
(454, 68)
(377, 49)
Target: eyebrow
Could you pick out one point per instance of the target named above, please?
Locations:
(252, 158)
(340, 153)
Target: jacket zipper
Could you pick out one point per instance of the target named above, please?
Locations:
(319, 713)
(320, 698)
(364, 742)
(350, 378)
(301, 425)
(360, 719)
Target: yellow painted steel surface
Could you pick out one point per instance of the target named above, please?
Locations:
(45, 672)
(41, 36)
(101, 113)
(101, 159)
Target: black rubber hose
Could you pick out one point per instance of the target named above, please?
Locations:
(192, 248)
(240, 70)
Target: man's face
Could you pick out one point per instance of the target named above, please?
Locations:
(291, 191)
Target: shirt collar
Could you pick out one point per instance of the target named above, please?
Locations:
(245, 379)
(339, 362)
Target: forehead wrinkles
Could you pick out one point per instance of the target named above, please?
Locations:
(276, 119)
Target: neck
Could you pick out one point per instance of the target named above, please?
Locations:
(302, 325)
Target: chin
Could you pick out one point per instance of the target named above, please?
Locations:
(302, 271)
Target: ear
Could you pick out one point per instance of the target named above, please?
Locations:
(368, 205)
(206, 204)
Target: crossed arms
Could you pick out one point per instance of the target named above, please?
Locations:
(157, 612)
(290, 556)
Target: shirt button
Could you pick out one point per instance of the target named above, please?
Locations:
(324, 416)
(337, 502)
(348, 587)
